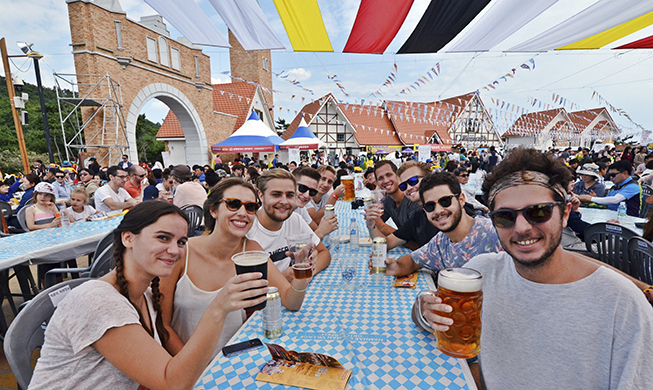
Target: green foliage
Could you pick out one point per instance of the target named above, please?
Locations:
(10, 161)
(627, 140)
(281, 125)
(149, 149)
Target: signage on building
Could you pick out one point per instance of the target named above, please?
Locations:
(470, 138)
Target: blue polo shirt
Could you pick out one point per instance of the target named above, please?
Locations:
(631, 190)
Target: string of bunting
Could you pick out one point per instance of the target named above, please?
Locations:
(510, 74)
(337, 82)
(602, 100)
(391, 79)
(294, 82)
(428, 77)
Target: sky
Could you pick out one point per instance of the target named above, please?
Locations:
(620, 77)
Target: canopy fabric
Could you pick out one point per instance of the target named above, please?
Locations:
(606, 37)
(248, 24)
(303, 138)
(644, 43)
(376, 25)
(252, 136)
(600, 16)
(441, 22)
(187, 17)
(304, 25)
(501, 20)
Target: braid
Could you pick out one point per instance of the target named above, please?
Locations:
(156, 303)
(123, 286)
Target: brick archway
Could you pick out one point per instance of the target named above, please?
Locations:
(181, 106)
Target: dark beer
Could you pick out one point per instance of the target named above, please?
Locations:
(302, 270)
(252, 261)
(460, 288)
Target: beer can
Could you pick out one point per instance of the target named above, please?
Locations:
(367, 202)
(329, 210)
(272, 321)
(379, 254)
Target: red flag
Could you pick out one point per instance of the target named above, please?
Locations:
(377, 23)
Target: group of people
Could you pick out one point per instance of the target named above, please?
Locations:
(551, 317)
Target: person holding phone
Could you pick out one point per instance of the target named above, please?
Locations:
(229, 213)
(108, 333)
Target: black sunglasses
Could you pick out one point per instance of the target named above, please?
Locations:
(534, 214)
(411, 180)
(464, 175)
(445, 202)
(302, 188)
(235, 204)
(59, 177)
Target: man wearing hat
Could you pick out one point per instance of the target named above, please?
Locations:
(588, 184)
(188, 192)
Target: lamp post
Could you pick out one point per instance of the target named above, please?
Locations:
(27, 49)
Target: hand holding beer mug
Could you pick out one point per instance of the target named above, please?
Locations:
(252, 261)
(375, 209)
(350, 192)
(457, 318)
(300, 249)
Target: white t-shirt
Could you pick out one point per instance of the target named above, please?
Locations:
(323, 201)
(160, 187)
(304, 214)
(87, 212)
(106, 192)
(275, 242)
(68, 359)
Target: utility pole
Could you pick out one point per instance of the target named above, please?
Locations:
(46, 126)
(10, 89)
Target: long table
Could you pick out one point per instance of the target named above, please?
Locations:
(368, 330)
(53, 245)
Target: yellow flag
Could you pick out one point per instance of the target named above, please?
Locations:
(608, 36)
(304, 25)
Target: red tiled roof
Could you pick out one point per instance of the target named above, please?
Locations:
(308, 111)
(532, 123)
(583, 118)
(372, 125)
(229, 98)
(171, 128)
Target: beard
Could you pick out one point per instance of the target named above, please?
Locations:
(554, 243)
(457, 216)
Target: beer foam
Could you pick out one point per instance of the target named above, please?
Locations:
(250, 259)
(346, 177)
(460, 279)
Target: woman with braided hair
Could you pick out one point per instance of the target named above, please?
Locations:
(108, 333)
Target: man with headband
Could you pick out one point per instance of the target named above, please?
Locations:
(551, 318)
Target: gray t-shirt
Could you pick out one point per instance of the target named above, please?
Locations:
(401, 213)
(595, 333)
(68, 359)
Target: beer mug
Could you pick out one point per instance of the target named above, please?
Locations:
(350, 193)
(460, 288)
(300, 248)
(252, 261)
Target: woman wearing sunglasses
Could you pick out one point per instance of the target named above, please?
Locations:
(229, 213)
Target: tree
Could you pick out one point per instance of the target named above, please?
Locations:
(149, 148)
(626, 140)
(281, 126)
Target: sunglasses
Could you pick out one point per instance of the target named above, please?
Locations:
(141, 176)
(412, 181)
(59, 177)
(463, 175)
(445, 202)
(302, 188)
(235, 204)
(534, 214)
(83, 174)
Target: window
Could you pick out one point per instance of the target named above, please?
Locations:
(151, 50)
(340, 138)
(266, 64)
(197, 66)
(119, 35)
(174, 58)
(259, 113)
(163, 51)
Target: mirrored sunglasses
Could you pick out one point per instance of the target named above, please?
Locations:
(534, 214)
(235, 205)
(302, 188)
(445, 202)
(411, 180)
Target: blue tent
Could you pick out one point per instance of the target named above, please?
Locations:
(252, 136)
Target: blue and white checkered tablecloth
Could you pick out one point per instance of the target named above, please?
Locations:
(54, 244)
(368, 330)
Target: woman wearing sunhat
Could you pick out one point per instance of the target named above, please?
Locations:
(588, 184)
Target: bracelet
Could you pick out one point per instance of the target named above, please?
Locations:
(295, 290)
(334, 196)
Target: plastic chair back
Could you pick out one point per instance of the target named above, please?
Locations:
(640, 254)
(645, 208)
(6, 207)
(609, 242)
(103, 263)
(21, 219)
(195, 216)
(26, 332)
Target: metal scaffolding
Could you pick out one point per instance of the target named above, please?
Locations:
(91, 105)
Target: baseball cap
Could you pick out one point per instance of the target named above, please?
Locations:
(44, 188)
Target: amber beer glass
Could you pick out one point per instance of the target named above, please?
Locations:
(460, 288)
(300, 249)
(252, 261)
(350, 193)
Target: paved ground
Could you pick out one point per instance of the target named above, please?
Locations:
(7, 380)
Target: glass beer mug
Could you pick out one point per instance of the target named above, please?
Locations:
(460, 288)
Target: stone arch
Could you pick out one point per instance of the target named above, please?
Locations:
(181, 106)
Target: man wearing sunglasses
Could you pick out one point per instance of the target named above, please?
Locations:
(62, 190)
(470, 197)
(275, 222)
(307, 179)
(550, 316)
(461, 236)
(133, 185)
(112, 196)
(326, 194)
(625, 189)
(395, 205)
